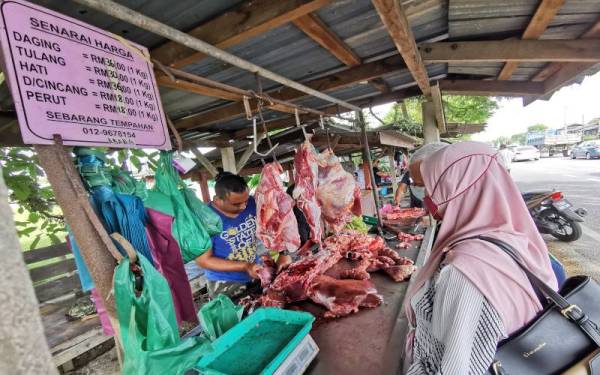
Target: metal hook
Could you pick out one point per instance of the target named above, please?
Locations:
(255, 133)
(321, 122)
(299, 125)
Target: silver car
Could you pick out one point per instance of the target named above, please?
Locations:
(525, 153)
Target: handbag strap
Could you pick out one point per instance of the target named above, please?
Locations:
(568, 310)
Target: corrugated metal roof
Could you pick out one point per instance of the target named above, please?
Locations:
(288, 51)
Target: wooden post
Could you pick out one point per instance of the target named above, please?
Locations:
(203, 181)
(24, 348)
(363, 128)
(391, 153)
(95, 245)
(431, 133)
(228, 159)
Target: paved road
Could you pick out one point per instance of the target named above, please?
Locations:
(579, 180)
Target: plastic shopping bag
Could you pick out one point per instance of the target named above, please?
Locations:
(219, 315)
(149, 331)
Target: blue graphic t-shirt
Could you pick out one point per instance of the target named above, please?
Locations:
(237, 242)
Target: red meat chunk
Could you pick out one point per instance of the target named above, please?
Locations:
(276, 224)
(337, 193)
(306, 181)
(343, 297)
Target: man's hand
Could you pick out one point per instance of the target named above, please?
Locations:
(252, 270)
(283, 261)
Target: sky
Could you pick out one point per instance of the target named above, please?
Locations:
(574, 104)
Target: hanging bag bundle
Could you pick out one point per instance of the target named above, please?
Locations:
(188, 228)
(563, 338)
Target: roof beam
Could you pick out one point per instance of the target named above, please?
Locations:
(491, 88)
(196, 88)
(550, 69)
(393, 17)
(512, 50)
(203, 160)
(338, 80)
(553, 74)
(380, 85)
(332, 109)
(248, 20)
(539, 22)
(312, 25)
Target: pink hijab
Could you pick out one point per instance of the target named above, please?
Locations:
(482, 199)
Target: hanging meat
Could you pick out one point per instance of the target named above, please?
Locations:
(276, 224)
(305, 190)
(337, 193)
(337, 277)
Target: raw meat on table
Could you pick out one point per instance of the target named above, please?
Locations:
(276, 224)
(337, 193)
(406, 239)
(343, 297)
(306, 181)
(337, 277)
(398, 213)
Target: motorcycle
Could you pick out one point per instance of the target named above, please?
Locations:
(554, 215)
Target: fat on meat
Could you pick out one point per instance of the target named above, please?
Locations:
(343, 297)
(337, 193)
(276, 224)
(306, 181)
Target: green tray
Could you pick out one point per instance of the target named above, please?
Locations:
(257, 344)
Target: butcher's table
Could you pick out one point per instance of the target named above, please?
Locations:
(372, 340)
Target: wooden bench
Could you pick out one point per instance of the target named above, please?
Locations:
(56, 283)
(57, 287)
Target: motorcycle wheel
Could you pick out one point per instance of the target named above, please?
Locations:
(569, 230)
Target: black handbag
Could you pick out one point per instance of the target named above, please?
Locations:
(564, 333)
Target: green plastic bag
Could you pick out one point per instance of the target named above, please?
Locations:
(188, 229)
(124, 182)
(219, 315)
(149, 331)
(212, 222)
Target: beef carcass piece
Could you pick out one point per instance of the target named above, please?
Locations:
(343, 297)
(305, 190)
(276, 224)
(337, 193)
(292, 284)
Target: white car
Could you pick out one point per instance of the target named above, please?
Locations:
(525, 153)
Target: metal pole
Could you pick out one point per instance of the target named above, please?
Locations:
(135, 18)
(363, 129)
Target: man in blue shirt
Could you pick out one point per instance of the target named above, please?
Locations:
(231, 263)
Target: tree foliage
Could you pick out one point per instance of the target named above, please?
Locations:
(458, 109)
(537, 128)
(31, 194)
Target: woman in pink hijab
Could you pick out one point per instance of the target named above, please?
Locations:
(469, 295)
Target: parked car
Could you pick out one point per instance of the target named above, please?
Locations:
(525, 153)
(587, 149)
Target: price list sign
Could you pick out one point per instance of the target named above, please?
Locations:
(86, 84)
